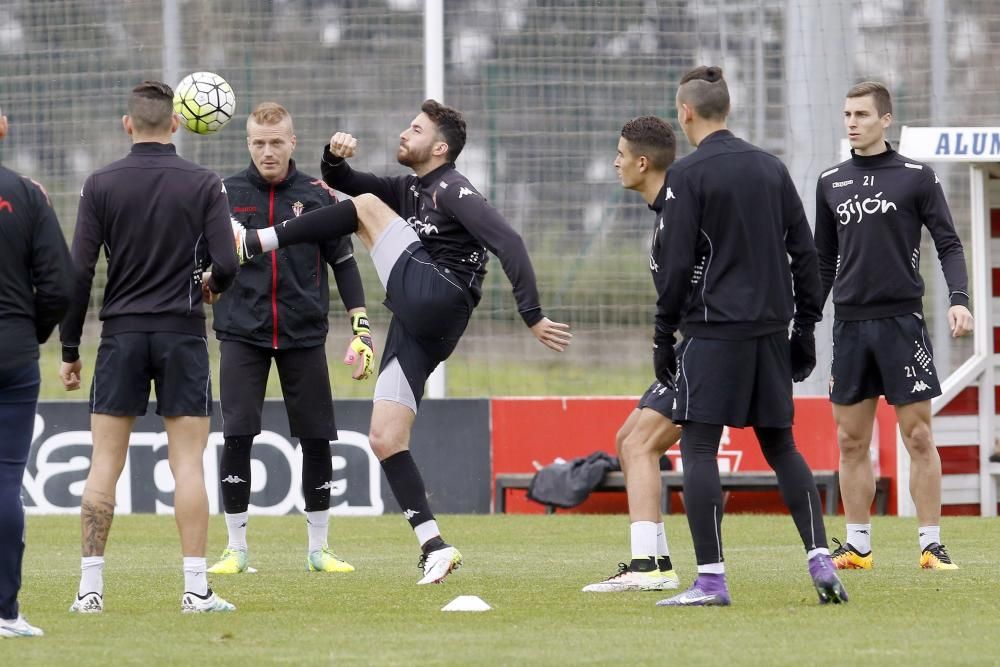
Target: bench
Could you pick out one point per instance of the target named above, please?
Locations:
(827, 481)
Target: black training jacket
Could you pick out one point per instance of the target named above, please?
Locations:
(36, 272)
(160, 221)
(870, 213)
(455, 224)
(731, 220)
(281, 299)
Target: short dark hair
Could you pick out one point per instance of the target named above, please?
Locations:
(450, 125)
(706, 91)
(652, 137)
(878, 91)
(151, 106)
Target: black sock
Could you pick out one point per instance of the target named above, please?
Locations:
(321, 224)
(702, 489)
(433, 544)
(796, 483)
(664, 563)
(234, 473)
(643, 564)
(408, 487)
(317, 469)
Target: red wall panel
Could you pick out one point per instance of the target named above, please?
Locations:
(527, 430)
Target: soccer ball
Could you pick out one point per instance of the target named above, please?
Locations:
(205, 101)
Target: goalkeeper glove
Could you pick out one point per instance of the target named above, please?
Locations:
(361, 347)
(802, 344)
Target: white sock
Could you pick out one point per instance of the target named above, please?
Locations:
(821, 551)
(662, 548)
(268, 238)
(643, 539)
(91, 575)
(316, 525)
(236, 524)
(712, 568)
(426, 531)
(859, 536)
(929, 535)
(195, 579)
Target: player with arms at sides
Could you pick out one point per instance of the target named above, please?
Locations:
(160, 221)
(36, 280)
(277, 309)
(739, 265)
(870, 212)
(428, 234)
(646, 148)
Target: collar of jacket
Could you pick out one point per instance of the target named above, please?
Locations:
(432, 176)
(718, 135)
(154, 148)
(868, 161)
(660, 200)
(259, 181)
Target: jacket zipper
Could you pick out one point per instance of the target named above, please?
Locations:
(274, 275)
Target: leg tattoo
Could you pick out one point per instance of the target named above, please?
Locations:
(95, 521)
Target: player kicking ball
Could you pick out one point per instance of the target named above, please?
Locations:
(428, 235)
(645, 149)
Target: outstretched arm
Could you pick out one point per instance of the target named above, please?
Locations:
(495, 233)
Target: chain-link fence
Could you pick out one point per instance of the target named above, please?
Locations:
(545, 86)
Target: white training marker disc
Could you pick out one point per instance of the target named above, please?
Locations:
(466, 603)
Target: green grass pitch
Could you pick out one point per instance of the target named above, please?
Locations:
(530, 569)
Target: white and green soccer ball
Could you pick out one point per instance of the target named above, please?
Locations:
(205, 101)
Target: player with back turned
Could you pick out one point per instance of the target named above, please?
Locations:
(870, 213)
(739, 265)
(159, 221)
(428, 234)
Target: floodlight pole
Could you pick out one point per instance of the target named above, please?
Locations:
(434, 89)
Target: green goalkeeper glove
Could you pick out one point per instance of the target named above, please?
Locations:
(361, 348)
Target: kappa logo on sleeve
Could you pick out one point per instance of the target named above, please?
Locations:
(462, 191)
(670, 195)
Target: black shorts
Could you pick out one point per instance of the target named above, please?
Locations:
(176, 363)
(660, 398)
(735, 382)
(890, 356)
(305, 386)
(430, 311)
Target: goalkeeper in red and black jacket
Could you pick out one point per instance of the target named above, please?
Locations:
(278, 309)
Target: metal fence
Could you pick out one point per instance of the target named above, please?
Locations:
(545, 86)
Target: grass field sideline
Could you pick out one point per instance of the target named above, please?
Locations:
(530, 569)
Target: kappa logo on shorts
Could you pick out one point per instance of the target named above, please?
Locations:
(919, 385)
